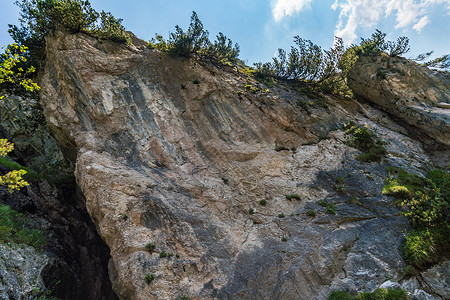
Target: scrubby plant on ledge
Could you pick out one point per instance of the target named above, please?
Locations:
(425, 201)
(363, 139)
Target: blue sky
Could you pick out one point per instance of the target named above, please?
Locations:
(262, 26)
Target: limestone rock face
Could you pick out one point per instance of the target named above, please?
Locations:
(27, 265)
(177, 154)
(415, 94)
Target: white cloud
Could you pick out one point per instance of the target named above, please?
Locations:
(367, 13)
(285, 8)
(421, 24)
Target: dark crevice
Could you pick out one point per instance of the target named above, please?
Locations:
(79, 257)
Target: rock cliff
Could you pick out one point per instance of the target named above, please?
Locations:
(180, 154)
(415, 94)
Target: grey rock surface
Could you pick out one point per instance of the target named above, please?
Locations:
(176, 153)
(21, 269)
(437, 279)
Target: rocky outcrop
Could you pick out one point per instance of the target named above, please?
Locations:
(20, 270)
(180, 154)
(415, 94)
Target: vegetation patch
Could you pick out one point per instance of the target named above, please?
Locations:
(425, 201)
(195, 43)
(330, 208)
(150, 246)
(378, 294)
(293, 196)
(15, 228)
(149, 277)
(310, 213)
(364, 140)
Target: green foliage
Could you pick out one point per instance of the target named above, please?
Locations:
(397, 48)
(29, 174)
(307, 63)
(293, 196)
(364, 140)
(111, 28)
(420, 248)
(339, 180)
(381, 73)
(311, 213)
(149, 277)
(163, 254)
(195, 43)
(441, 63)
(38, 18)
(340, 295)
(330, 208)
(378, 294)
(327, 70)
(14, 227)
(281, 215)
(376, 44)
(223, 51)
(150, 246)
(263, 202)
(15, 73)
(426, 205)
(251, 211)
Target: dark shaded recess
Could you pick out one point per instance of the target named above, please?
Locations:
(80, 266)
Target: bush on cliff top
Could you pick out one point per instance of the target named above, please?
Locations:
(38, 18)
(195, 43)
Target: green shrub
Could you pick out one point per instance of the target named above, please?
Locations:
(339, 180)
(330, 209)
(149, 277)
(340, 295)
(14, 227)
(425, 204)
(419, 248)
(364, 140)
(195, 43)
(162, 254)
(251, 211)
(378, 294)
(396, 294)
(150, 246)
(263, 202)
(111, 28)
(281, 216)
(41, 17)
(30, 175)
(293, 196)
(311, 213)
(381, 73)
